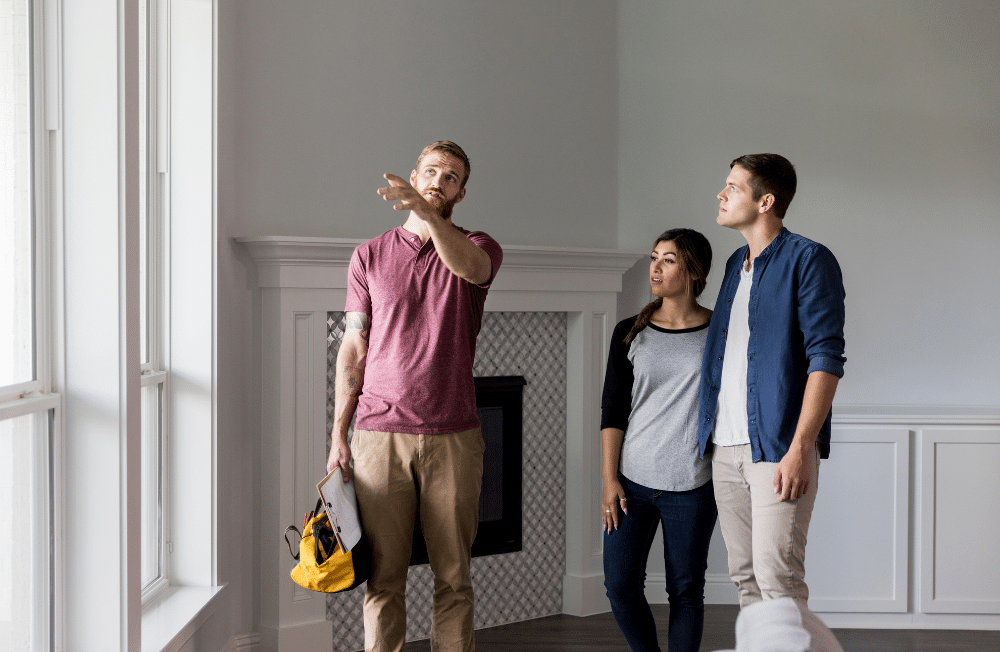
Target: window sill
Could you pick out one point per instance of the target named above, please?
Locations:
(170, 620)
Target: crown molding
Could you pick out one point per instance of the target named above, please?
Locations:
(290, 261)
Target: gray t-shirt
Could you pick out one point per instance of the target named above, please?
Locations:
(660, 450)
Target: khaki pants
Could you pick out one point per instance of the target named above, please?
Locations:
(393, 473)
(766, 538)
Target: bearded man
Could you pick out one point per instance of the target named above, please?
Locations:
(415, 300)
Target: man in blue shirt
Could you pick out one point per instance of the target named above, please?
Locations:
(774, 356)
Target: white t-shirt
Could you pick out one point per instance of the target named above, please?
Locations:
(731, 414)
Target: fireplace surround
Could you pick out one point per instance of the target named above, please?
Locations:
(531, 345)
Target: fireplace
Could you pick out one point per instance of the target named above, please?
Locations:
(499, 402)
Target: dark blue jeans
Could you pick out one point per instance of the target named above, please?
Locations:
(688, 519)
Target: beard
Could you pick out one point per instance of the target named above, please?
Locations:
(447, 208)
(443, 206)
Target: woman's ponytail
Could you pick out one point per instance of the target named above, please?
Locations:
(642, 319)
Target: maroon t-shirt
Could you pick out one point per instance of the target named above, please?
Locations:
(424, 324)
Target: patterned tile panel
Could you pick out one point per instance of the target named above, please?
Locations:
(515, 586)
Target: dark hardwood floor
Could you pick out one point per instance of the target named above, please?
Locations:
(600, 634)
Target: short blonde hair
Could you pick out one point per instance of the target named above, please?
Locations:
(451, 148)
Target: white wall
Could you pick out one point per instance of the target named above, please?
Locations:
(889, 112)
(331, 95)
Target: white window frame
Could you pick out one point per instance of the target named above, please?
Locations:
(38, 533)
(41, 214)
(65, 65)
(36, 397)
(155, 370)
(186, 133)
(109, 609)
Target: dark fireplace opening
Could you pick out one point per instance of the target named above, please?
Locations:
(499, 402)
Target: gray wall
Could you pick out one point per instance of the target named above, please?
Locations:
(600, 124)
(889, 112)
(331, 95)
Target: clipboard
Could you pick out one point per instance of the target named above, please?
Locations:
(341, 507)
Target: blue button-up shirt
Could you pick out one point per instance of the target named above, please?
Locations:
(796, 328)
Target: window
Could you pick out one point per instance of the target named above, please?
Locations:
(25, 548)
(28, 409)
(152, 341)
(86, 500)
(17, 364)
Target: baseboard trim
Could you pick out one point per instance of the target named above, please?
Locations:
(910, 621)
(585, 596)
(719, 589)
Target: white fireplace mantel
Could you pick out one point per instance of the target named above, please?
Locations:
(301, 280)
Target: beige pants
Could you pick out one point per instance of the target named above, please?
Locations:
(766, 538)
(393, 473)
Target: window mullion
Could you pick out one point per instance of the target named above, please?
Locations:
(153, 377)
(156, 209)
(45, 71)
(21, 390)
(29, 405)
(155, 370)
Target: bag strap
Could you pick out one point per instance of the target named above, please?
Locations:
(288, 543)
(291, 528)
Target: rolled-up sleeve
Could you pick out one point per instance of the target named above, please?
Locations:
(821, 311)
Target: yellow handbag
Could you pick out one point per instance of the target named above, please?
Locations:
(324, 565)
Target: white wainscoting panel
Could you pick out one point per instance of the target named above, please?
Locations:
(857, 555)
(960, 521)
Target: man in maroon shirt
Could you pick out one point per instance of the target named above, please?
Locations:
(415, 300)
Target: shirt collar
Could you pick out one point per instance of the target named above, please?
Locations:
(769, 249)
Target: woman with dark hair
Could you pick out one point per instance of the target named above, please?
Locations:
(649, 431)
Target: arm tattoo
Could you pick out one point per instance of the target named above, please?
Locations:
(353, 380)
(359, 321)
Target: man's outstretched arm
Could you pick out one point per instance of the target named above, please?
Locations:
(350, 378)
(459, 254)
